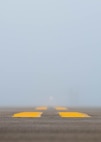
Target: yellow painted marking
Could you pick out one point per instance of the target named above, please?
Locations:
(61, 108)
(73, 114)
(28, 114)
(41, 108)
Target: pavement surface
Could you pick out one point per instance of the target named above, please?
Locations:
(50, 126)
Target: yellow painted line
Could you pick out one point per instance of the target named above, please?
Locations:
(73, 114)
(27, 114)
(41, 108)
(60, 108)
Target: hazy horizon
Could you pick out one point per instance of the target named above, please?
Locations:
(50, 52)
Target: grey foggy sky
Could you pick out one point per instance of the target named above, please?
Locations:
(50, 48)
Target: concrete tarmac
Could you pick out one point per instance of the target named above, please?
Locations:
(50, 127)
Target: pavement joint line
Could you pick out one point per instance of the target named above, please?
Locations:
(27, 115)
(73, 115)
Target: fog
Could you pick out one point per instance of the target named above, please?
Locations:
(50, 52)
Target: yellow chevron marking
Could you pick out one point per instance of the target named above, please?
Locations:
(73, 114)
(41, 108)
(60, 108)
(27, 114)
